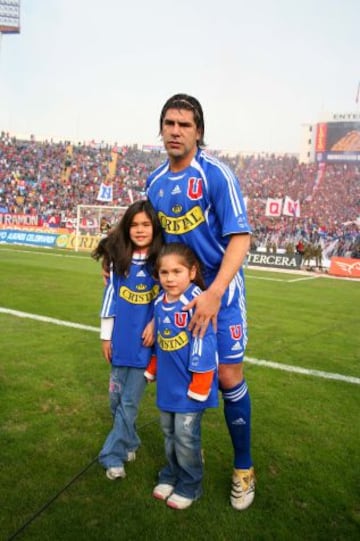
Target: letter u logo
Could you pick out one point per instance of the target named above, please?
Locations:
(235, 331)
(195, 190)
(180, 319)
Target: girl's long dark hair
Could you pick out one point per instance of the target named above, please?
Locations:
(117, 248)
(188, 259)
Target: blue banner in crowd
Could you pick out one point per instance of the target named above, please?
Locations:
(11, 236)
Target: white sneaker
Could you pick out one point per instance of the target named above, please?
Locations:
(242, 489)
(131, 456)
(115, 473)
(162, 491)
(178, 502)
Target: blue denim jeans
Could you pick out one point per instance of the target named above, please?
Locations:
(184, 470)
(126, 388)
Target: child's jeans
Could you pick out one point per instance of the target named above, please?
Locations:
(184, 470)
(126, 388)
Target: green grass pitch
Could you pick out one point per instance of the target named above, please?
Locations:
(55, 415)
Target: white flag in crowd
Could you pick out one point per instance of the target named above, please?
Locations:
(287, 207)
(273, 207)
(105, 192)
(291, 207)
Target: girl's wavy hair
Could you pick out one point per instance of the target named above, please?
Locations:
(188, 259)
(184, 101)
(117, 248)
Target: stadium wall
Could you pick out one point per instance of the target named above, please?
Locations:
(278, 260)
(345, 267)
(68, 240)
(49, 238)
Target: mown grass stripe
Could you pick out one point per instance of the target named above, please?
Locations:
(250, 360)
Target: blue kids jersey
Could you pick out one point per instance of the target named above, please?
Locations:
(179, 355)
(199, 206)
(130, 301)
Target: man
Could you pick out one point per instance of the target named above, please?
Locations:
(199, 202)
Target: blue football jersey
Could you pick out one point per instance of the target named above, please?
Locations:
(200, 206)
(179, 355)
(130, 300)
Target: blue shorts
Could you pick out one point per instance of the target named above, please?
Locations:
(232, 324)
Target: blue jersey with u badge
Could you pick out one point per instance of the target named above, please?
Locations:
(202, 206)
(130, 301)
(179, 355)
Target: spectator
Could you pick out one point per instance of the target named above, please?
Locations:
(32, 182)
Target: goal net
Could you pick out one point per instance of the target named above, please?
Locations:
(95, 221)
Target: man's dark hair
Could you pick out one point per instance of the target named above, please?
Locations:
(184, 101)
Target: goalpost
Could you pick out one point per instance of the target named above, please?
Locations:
(89, 220)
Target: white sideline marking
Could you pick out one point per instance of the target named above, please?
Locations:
(266, 279)
(250, 360)
(306, 371)
(45, 319)
(305, 279)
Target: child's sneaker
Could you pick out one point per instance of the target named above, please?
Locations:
(178, 502)
(162, 491)
(243, 489)
(117, 472)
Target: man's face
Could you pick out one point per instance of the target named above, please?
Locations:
(180, 136)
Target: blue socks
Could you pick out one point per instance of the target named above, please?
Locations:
(237, 410)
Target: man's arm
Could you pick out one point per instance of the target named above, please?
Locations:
(207, 305)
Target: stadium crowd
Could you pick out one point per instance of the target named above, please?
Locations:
(50, 179)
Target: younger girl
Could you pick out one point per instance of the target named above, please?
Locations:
(186, 376)
(130, 249)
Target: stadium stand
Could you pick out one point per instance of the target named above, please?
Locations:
(51, 179)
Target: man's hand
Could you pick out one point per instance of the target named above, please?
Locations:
(207, 306)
